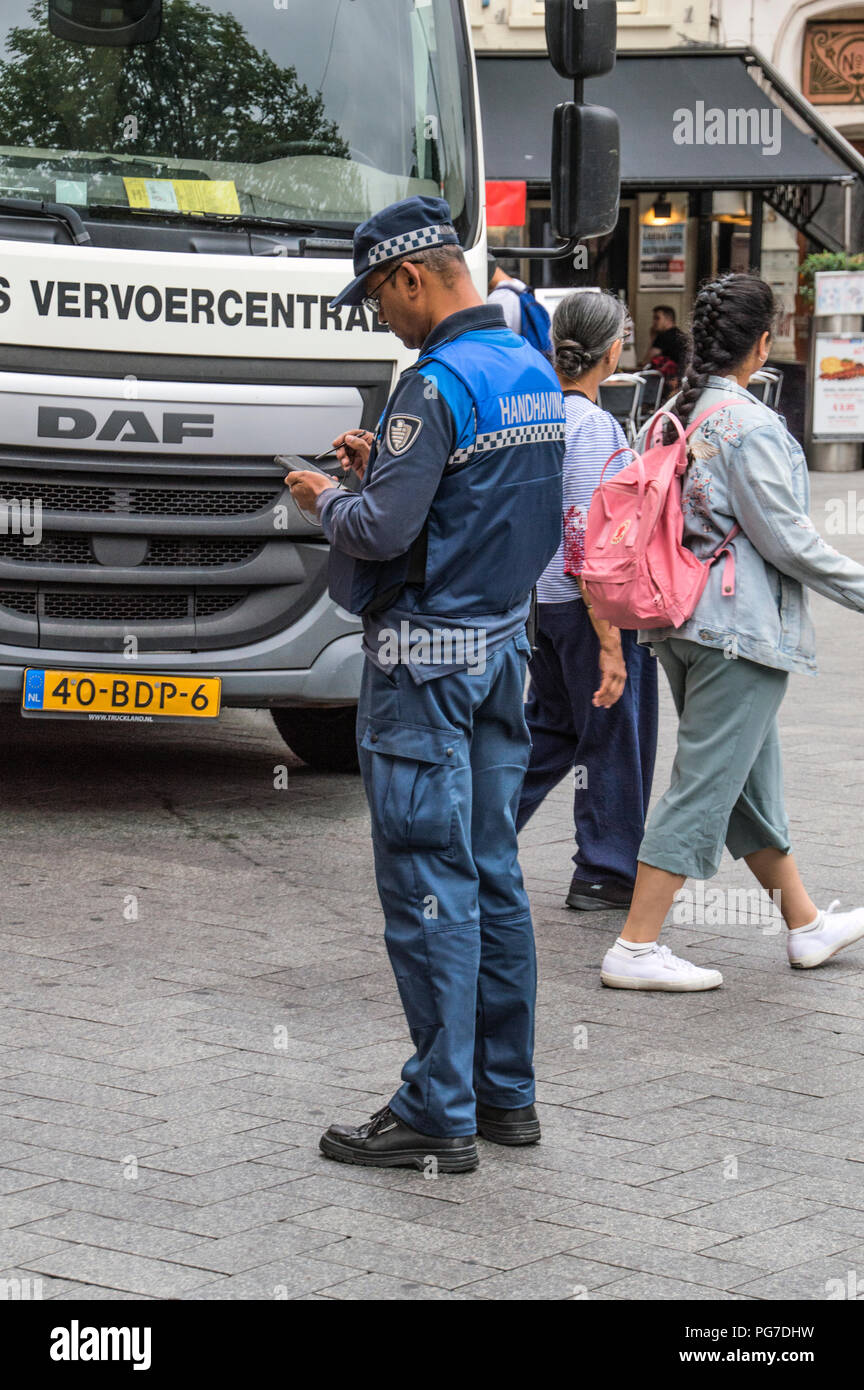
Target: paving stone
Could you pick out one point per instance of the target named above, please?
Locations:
(247, 1249)
(754, 1211)
(92, 1293)
(522, 1245)
(716, 1181)
(669, 1232)
(366, 1287)
(19, 1208)
(693, 1151)
(88, 1228)
(283, 1279)
(558, 1278)
(233, 1180)
(645, 1199)
(654, 1288)
(90, 1264)
(375, 1258)
(828, 1279)
(701, 1268)
(840, 1221)
(784, 1246)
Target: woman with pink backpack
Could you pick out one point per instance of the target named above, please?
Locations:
(744, 496)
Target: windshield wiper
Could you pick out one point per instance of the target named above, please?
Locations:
(318, 233)
(58, 212)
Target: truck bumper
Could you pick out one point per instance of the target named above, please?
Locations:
(254, 677)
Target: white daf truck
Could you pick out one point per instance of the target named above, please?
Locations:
(179, 184)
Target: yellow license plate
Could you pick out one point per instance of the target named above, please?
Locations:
(115, 695)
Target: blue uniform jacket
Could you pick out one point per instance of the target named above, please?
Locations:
(470, 447)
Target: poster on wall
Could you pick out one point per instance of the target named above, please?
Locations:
(838, 393)
(663, 257)
(839, 292)
(780, 269)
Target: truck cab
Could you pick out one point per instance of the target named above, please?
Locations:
(179, 185)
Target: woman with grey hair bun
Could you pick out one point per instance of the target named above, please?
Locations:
(606, 733)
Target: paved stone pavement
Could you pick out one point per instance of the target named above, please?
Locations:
(195, 984)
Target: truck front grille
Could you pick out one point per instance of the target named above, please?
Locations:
(186, 553)
(97, 499)
(117, 608)
(164, 552)
(23, 601)
(134, 607)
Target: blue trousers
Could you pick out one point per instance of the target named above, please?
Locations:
(442, 765)
(612, 749)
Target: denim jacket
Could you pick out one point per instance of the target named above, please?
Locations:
(746, 468)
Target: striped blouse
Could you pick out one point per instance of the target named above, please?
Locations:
(592, 435)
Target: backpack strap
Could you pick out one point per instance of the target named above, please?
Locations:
(666, 414)
(700, 419)
(724, 548)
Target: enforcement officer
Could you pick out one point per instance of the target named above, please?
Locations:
(458, 514)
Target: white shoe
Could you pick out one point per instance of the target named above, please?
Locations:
(657, 969)
(838, 930)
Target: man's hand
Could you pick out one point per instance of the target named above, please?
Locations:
(353, 450)
(306, 486)
(613, 675)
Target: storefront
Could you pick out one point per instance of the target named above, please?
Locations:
(723, 167)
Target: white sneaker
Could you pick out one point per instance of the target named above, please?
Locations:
(838, 930)
(657, 969)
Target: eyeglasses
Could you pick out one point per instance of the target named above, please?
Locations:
(373, 301)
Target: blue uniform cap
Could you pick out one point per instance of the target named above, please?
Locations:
(415, 224)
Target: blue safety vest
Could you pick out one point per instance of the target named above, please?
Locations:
(495, 520)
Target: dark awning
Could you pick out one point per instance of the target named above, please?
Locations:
(518, 95)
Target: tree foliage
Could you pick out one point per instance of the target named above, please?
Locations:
(201, 91)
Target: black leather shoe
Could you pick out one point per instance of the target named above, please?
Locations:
(508, 1126)
(387, 1142)
(588, 896)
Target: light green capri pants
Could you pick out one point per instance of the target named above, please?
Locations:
(727, 778)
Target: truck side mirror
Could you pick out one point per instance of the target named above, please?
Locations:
(586, 171)
(119, 25)
(581, 37)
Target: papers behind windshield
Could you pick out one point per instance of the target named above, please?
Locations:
(183, 195)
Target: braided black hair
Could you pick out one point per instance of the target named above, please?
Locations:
(729, 317)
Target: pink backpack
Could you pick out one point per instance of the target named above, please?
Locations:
(637, 573)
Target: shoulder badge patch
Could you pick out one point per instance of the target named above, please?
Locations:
(402, 432)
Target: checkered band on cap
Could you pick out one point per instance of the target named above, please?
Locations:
(410, 241)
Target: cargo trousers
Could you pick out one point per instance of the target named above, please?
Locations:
(442, 764)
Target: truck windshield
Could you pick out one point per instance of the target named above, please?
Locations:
(320, 111)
